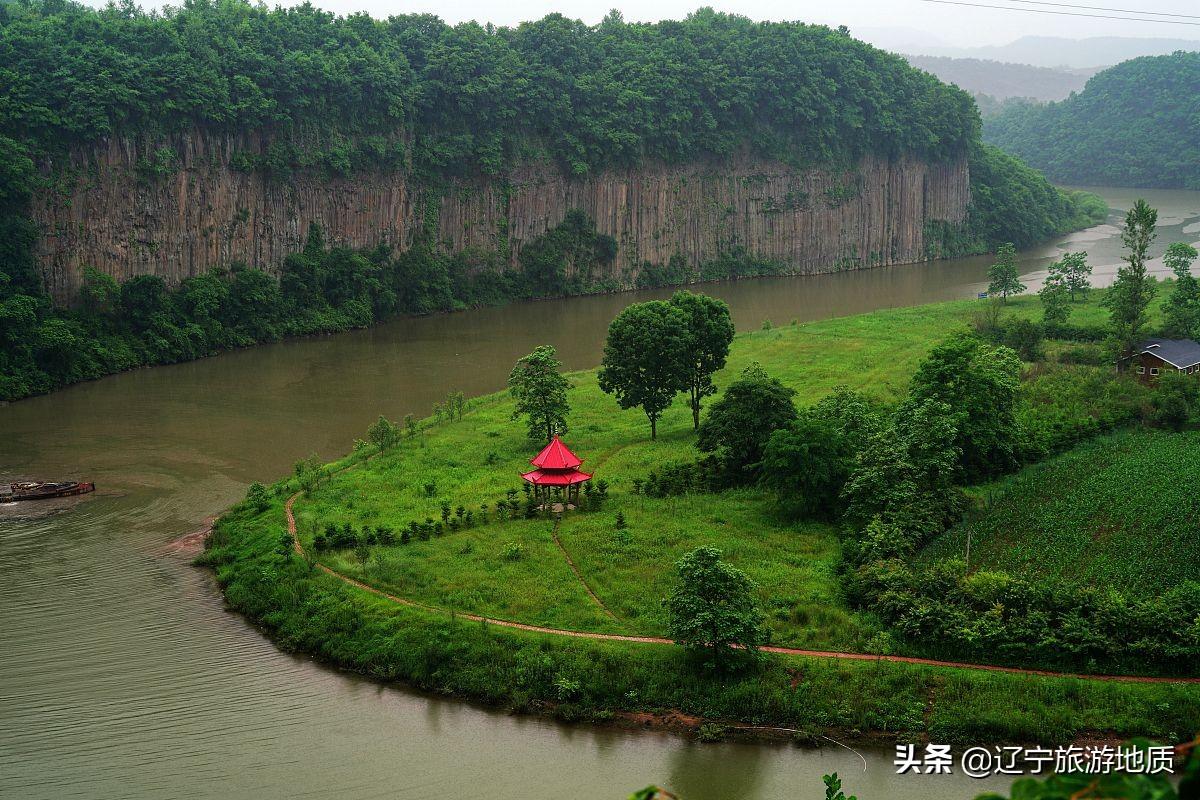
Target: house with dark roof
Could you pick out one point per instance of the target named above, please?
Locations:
(1153, 357)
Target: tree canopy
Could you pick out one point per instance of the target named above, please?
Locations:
(646, 360)
(710, 332)
(540, 392)
(470, 95)
(978, 383)
(1130, 294)
(712, 607)
(1003, 273)
(740, 422)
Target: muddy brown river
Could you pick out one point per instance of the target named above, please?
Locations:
(122, 675)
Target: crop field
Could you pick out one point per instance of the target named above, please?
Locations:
(1122, 511)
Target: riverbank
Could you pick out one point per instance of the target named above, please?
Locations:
(313, 611)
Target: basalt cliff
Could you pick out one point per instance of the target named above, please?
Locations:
(104, 210)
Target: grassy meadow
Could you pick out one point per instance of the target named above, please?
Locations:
(512, 568)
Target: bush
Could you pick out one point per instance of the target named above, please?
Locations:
(257, 497)
(993, 616)
(512, 551)
(1175, 401)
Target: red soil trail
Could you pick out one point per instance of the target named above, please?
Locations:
(790, 651)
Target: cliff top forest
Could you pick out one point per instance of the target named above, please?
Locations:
(471, 96)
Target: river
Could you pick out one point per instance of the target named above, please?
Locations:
(122, 675)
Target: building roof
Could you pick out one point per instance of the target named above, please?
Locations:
(568, 478)
(1179, 353)
(555, 455)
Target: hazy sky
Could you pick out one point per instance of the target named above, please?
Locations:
(889, 23)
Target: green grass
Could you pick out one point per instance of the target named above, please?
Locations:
(308, 611)
(1121, 511)
(477, 459)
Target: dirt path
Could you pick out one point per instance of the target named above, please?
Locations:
(790, 651)
(575, 569)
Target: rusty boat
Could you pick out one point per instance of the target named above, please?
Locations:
(41, 490)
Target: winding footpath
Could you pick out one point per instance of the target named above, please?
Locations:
(789, 651)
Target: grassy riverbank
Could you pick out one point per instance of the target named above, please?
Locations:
(513, 569)
(306, 610)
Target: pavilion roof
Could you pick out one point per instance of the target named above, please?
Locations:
(566, 478)
(555, 455)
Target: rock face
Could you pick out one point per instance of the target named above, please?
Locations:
(106, 209)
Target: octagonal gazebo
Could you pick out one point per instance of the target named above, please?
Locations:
(557, 477)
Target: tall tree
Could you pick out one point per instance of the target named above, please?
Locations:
(710, 332)
(541, 392)
(1054, 295)
(383, 433)
(1182, 308)
(903, 487)
(979, 383)
(1130, 295)
(712, 607)
(1076, 273)
(646, 360)
(1003, 274)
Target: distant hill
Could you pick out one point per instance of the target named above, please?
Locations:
(1135, 124)
(1000, 80)
(1054, 51)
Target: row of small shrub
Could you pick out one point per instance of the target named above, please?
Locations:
(678, 479)
(335, 537)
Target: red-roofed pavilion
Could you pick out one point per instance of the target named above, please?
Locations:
(557, 472)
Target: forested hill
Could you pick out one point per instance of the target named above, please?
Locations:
(174, 149)
(1135, 124)
(1000, 80)
(471, 96)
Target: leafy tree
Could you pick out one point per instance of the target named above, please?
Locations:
(257, 497)
(384, 434)
(903, 488)
(1055, 298)
(710, 332)
(1176, 400)
(740, 422)
(978, 382)
(712, 606)
(1182, 309)
(806, 464)
(646, 360)
(1003, 273)
(1130, 295)
(540, 392)
(1075, 273)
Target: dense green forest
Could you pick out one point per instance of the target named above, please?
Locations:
(473, 96)
(1135, 124)
(339, 95)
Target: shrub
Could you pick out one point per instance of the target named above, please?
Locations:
(257, 497)
(1175, 400)
(512, 551)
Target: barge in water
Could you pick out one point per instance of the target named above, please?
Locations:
(32, 490)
